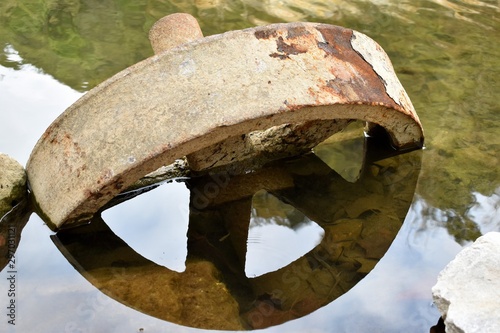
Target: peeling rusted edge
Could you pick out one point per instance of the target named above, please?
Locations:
(283, 49)
(336, 44)
(383, 68)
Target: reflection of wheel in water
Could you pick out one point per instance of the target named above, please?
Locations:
(11, 225)
(360, 221)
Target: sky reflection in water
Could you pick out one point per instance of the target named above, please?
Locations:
(140, 222)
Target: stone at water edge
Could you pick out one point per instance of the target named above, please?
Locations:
(468, 290)
(12, 183)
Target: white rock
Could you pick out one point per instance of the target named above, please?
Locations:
(468, 290)
(12, 183)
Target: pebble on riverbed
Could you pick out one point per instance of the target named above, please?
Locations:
(12, 183)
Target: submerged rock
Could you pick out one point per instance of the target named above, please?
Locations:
(468, 290)
(12, 183)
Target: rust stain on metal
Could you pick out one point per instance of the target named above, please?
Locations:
(291, 48)
(293, 41)
(350, 69)
(80, 170)
(71, 150)
(285, 50)
(297, 31)
(279, 56)
(53, 128)
(265, 33)
(335, 85)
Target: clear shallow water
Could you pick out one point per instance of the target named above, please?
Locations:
(446, 54)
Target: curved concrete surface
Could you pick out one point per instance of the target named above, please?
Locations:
(199, 94)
